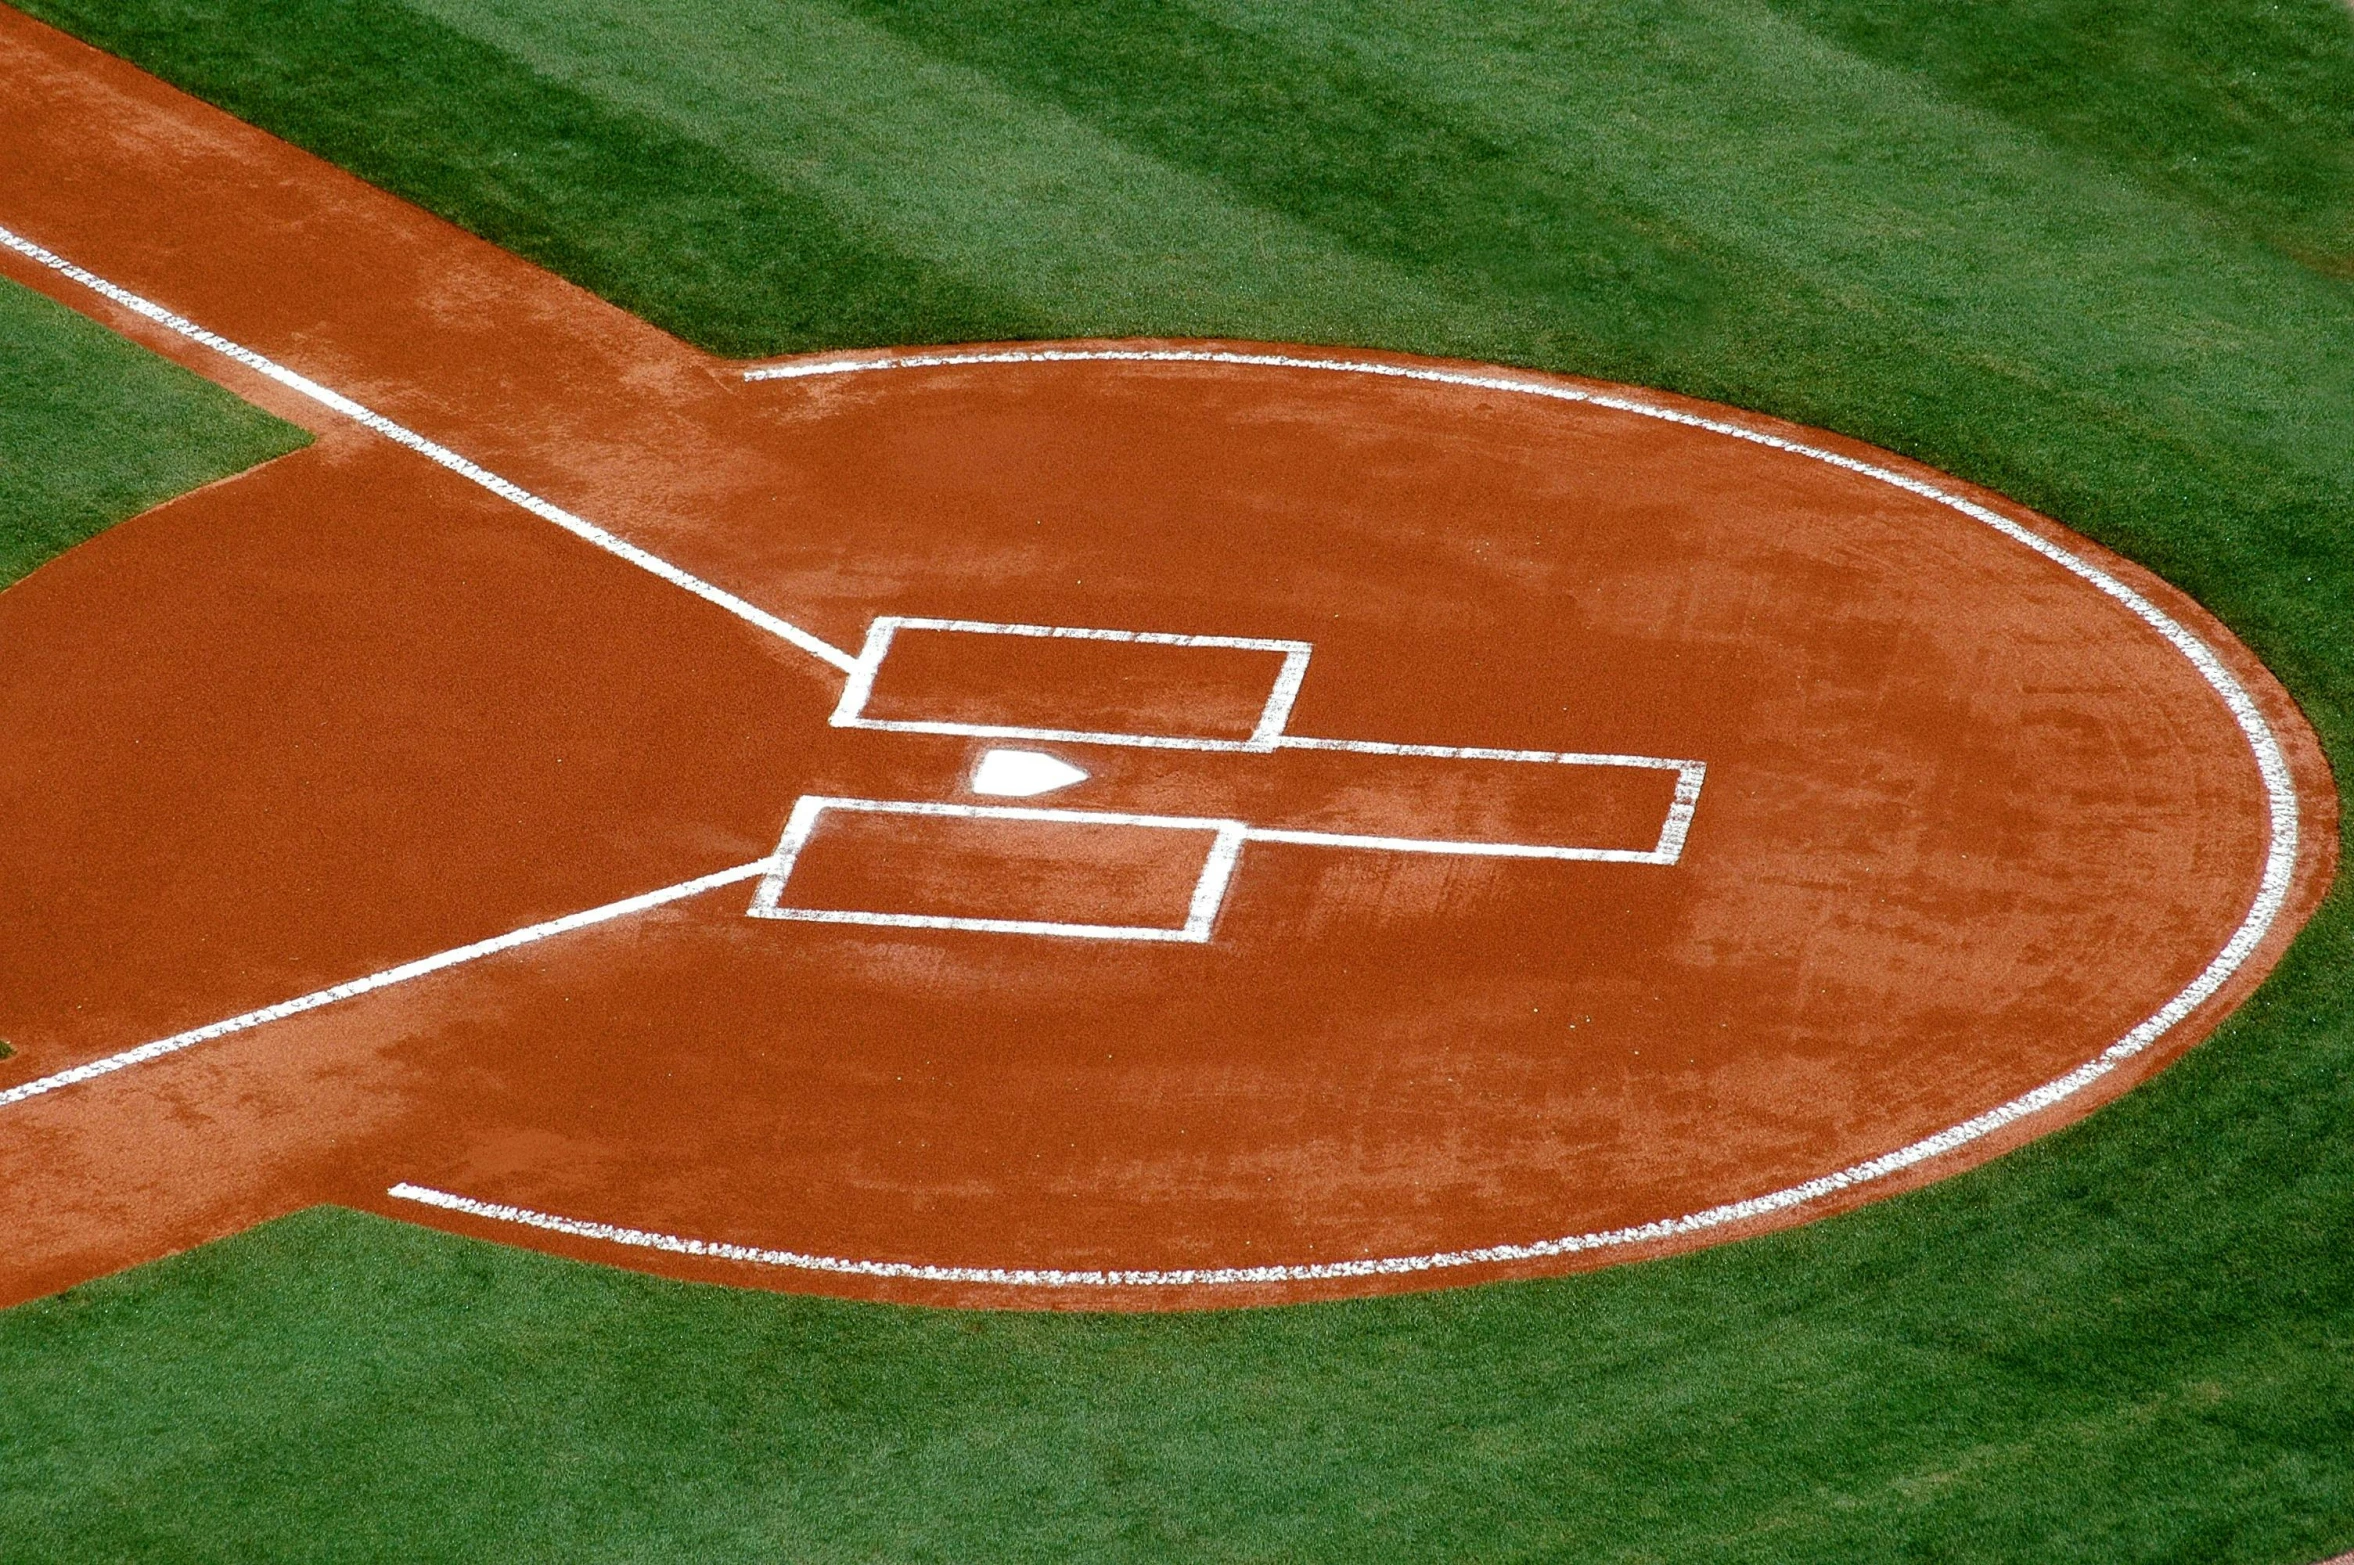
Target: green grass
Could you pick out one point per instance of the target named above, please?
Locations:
(94, 429)
(2098, 255)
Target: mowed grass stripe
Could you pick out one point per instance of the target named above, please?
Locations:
(1093, 235)
(2129, 1342)
(94, 429)
(1644, 213)
(1793, 158)
(2242, 108)
(673, 228)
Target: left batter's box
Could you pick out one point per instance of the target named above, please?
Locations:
(1003, 869)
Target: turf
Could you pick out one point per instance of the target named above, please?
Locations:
(2099, 256)
(94, 429)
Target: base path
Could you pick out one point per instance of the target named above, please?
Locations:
(1108, 824)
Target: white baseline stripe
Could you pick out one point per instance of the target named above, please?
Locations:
(956, 730)
(1464, 752)
(1280, 699)
(385, 979)
(989, 926)
(1158, 638)
(816, 802)
(1690, 775)
(1454, 849)
(439, 454)
(1209, 888)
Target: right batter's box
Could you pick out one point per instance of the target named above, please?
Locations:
(1001, 869)
(1156, 866)
(1145, 689)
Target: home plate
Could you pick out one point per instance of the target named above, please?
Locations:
(1023, 774)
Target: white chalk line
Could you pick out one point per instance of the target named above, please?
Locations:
(886, 625)
(1467, 848)
(2272, 893)
(1209, 888)
(1281, 697)
(433, 452)
(353, 988)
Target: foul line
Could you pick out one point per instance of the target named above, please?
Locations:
(433, 452)
(457, 956)
(2272, 893)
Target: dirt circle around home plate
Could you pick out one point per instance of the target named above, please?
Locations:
(1289, 823)
(1523, 823)
(1106, 824)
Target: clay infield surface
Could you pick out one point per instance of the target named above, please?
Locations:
(1103, 824)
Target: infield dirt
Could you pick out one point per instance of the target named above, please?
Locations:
(1968, 821)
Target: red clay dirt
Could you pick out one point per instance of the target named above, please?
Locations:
(1967, 820)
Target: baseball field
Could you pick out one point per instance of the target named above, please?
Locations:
(1813, 539)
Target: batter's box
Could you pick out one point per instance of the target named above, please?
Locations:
(1002, 869)
(982, 679)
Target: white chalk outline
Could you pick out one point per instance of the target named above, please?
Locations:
(2272, 892)
(353, 988)
(438, 454)
(1209, 892)
(1267, 735)
(1675, 826)
(1210, 888)
(1201, 912)
(1266, 732)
